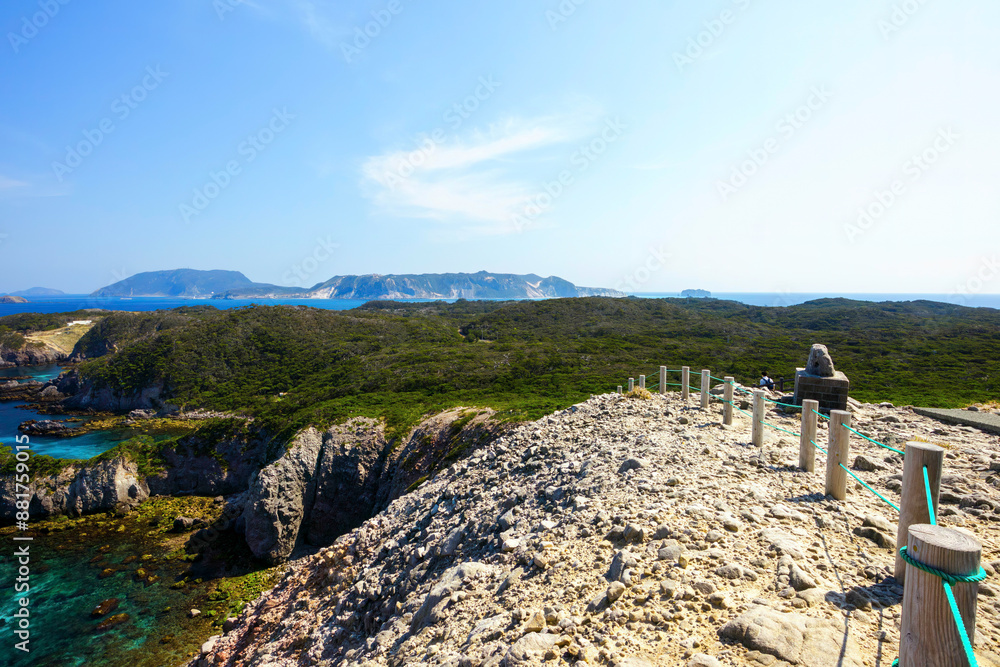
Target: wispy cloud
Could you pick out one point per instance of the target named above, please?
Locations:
(10, 183)
(477, 181)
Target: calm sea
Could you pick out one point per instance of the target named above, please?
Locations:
(71, 302)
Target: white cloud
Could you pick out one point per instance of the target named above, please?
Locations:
(10, 183)
(479, 181)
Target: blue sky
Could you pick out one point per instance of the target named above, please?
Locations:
(732, 145)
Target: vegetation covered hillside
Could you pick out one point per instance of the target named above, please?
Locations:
(293, 365)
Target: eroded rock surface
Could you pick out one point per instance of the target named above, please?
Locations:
(710, 552)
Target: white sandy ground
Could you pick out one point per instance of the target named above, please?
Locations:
(510, 556)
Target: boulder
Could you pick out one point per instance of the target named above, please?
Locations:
(276, 502)
(794, 638)
(820, 362)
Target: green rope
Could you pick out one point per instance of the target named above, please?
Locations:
(717, 379)
(778, 428)
(960, 624)
(820, 414)
(784, 405)
(817, 446)
(944, 576)
(861, 481)
(884, 446)
(949, 580)
(744, 412)
(930, 501)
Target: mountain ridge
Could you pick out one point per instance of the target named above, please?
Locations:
(235, 285)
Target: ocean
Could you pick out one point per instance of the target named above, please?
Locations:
(67, 303)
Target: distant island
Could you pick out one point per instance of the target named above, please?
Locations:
(12, 298)
(39, 291)
(696, 293)
(234, 285)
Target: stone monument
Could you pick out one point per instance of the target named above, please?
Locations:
(820, 381)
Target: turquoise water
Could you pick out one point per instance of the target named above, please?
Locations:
(12, 413)
(67, 584)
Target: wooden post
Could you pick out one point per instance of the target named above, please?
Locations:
(619, 389)
(642, 382)
(663, 379)
(928, 634)
(913, 501)
(837, 451)
(807, 453)
(706, 382)
(757, 432)
(727, 407)
(685, 382)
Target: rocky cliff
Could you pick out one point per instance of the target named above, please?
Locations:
(29, 354)
(78, 489)
(626, 532)
(324, 483)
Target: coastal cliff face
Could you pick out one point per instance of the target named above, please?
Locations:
(29, 354)
(78, 489)
(322, 485)
(90, 396)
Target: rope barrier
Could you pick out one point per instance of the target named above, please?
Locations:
(862, 482)
(884, 446)
(817, 446)
(944, 576)
(930, 502)
(778, 428)
(784, 405)
(821, 414)
(717, 379)
(947, 580)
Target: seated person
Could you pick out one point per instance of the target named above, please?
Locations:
(765, 381)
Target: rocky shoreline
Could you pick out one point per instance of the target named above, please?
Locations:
(302, 495)
(627, 532)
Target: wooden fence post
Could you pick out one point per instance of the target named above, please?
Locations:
(807, 453)
(757, 432)
(928, 634)
(727, 407)
(685, 382)
(631, 384)
(838, 450)
(663, 379)
(619, 389)
(642, 382)
(706, 381)
(913, 500)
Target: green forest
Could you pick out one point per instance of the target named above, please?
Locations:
(289, 366)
